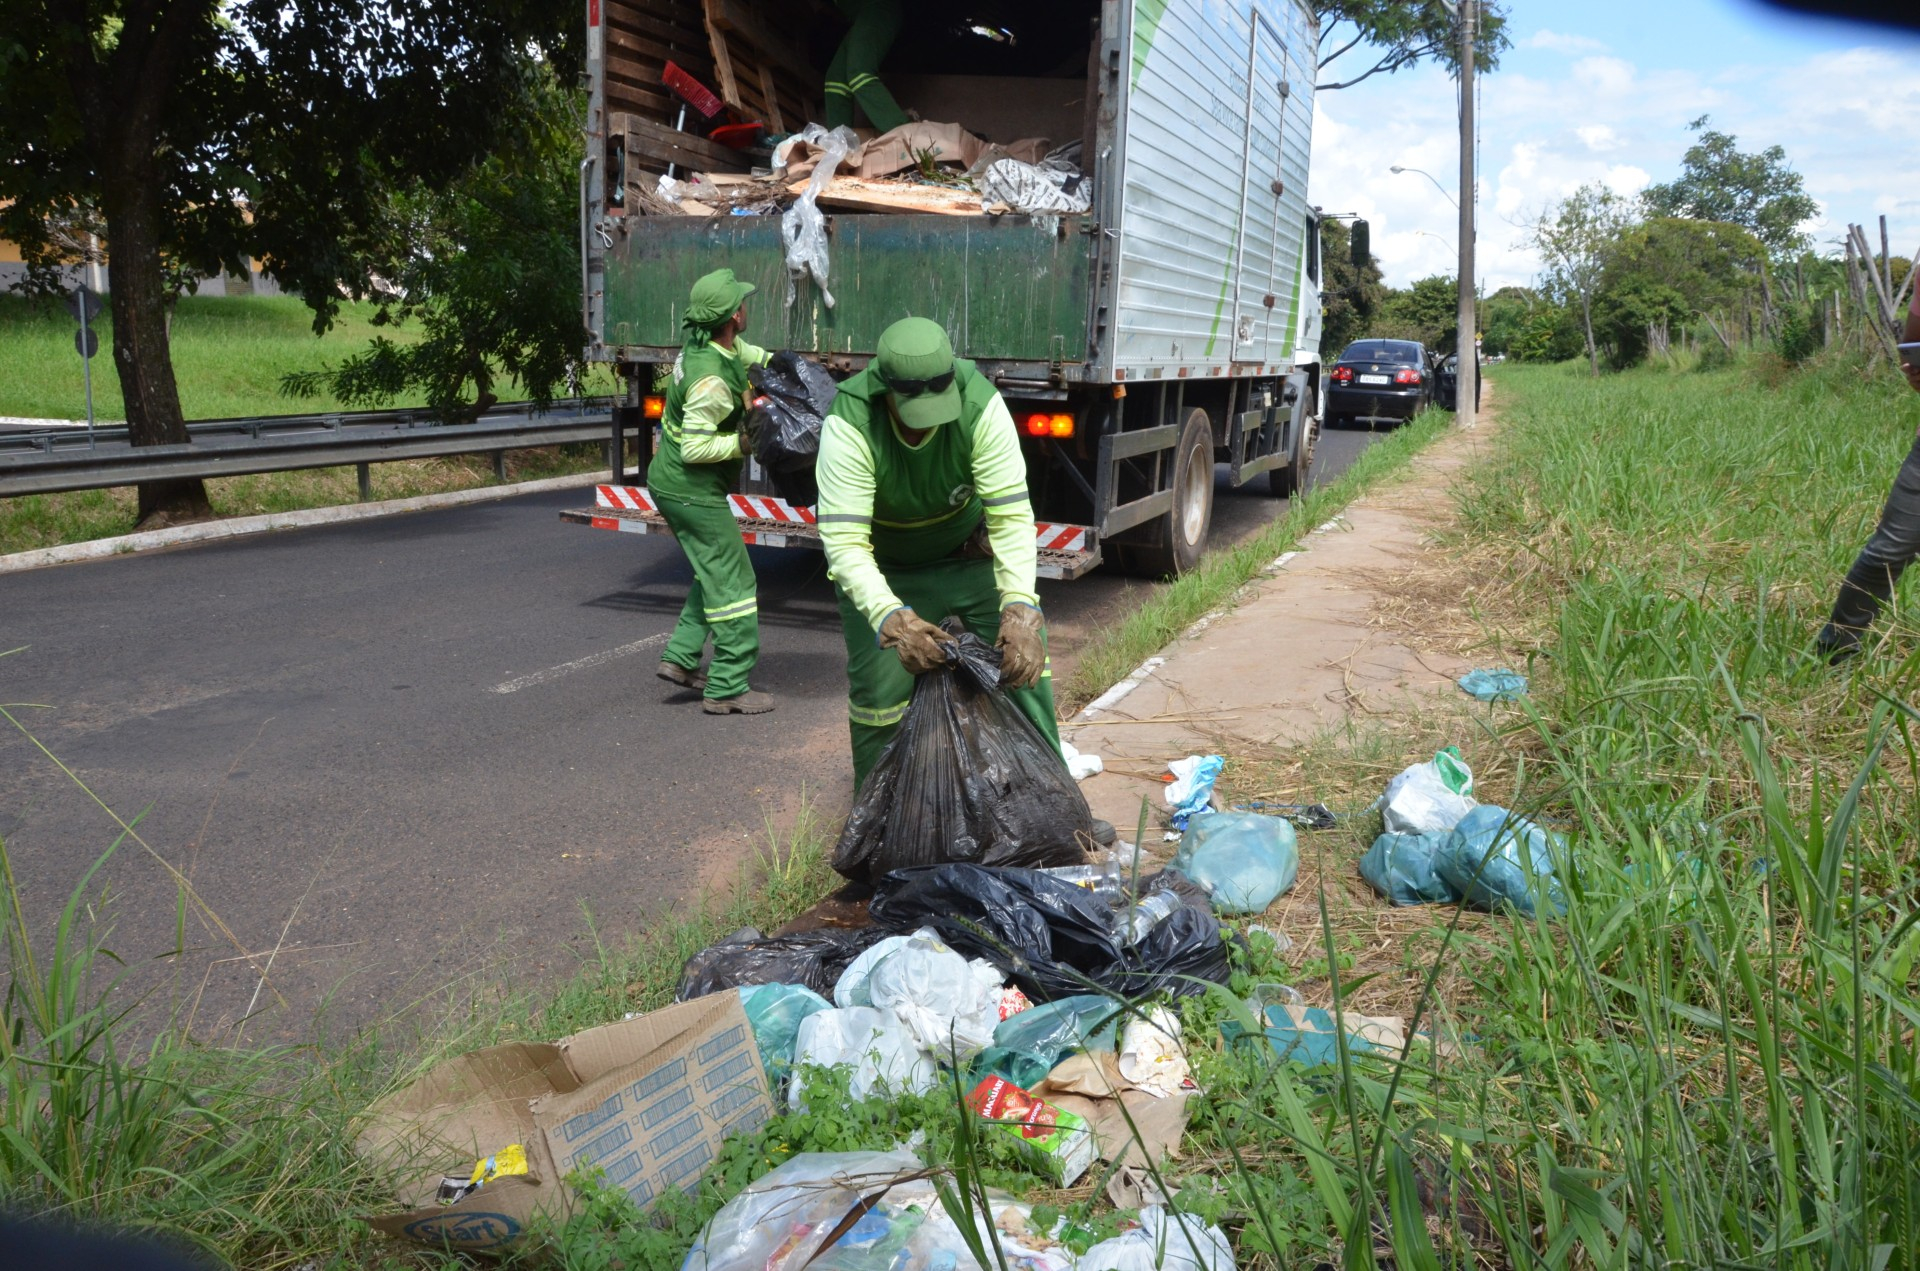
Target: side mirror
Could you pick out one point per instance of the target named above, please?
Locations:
(1360, 238)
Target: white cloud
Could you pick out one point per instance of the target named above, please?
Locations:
(1559, 42)
(1845, 120)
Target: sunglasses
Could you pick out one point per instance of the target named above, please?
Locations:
(918, 388)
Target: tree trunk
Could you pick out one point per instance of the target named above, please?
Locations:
(1586, 317)
(137, 291)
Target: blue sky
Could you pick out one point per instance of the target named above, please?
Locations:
(1603, 90)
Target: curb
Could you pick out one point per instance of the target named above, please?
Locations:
(1145, 671)
(236, 527)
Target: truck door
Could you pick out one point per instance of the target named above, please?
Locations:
(1261, 317)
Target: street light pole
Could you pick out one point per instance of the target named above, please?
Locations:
(1467, 378)
(1397, 169)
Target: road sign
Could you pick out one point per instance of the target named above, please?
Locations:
(87, 340)
(85, 304)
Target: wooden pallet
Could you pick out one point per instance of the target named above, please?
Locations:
(758, 63)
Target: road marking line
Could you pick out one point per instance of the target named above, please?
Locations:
(579, 664)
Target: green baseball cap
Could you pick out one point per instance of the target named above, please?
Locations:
(912, 352)
(716, 298)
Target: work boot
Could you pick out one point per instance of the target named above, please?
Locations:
(1104, 834)
(685, 677)
(751, 702)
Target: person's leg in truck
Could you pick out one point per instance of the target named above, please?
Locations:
(854, 72)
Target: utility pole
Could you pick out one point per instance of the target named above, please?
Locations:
(1467, 378)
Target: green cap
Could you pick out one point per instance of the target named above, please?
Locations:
(716, 298)
(917, 349)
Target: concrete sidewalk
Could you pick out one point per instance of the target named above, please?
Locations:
(1308, 646)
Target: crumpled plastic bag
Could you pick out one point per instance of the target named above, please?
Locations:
(1052, 938)
(1079, 764)
(949, 1004)
(873, 1042)
(1400, 867)
(1028, 1046)
(1495, 858)
(1500, 685)
(1428, 797)
(1164, 1241)
(1150, 1053)
(1191, 791)
(776, 1012)
(1050, 187)
(812, 958)
(792, 397)
(809, 1193)
(802, 227)
(1244, 860)
(967, 778)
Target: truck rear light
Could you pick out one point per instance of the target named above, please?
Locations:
(1343, 375)
(1060, 425)
(1407, 376)
(653, 407)
(1037, 425)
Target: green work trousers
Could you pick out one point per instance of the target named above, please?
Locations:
(879, 688)
(720, 603)
(854, 73)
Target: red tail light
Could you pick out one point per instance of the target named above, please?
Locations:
(1036, 425)
(1343, 375)
(653, 407)
(1407, 376)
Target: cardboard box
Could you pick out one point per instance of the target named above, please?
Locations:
(1059, 1142)
(648, 1100)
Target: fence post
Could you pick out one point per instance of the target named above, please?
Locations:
(366, 481)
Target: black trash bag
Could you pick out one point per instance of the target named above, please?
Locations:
(792, 397)
(967, 778)
(1051, 937)
(816, 959)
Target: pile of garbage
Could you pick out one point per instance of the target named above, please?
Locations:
(1441, 846)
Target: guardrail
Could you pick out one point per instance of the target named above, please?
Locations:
(46, 462)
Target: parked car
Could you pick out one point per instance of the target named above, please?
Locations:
(1446, 384)
(1379, 382)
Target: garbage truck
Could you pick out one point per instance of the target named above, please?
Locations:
(1170, 327)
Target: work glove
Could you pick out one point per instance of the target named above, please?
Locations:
(921, 645)
(1023, 654)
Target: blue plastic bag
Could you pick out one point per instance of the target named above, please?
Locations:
(1499, 685)
(1244, 860)
(1027, 1046)
(1400, 867)
(775, 1011)
(1495, 857)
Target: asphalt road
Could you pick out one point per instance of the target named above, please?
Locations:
(413, 752)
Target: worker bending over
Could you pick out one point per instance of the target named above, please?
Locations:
(695, 469)
(924, 513)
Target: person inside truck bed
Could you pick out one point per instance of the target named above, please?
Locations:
(854, 73)
(924, 513)
(693, 472)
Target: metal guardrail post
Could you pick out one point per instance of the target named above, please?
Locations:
(366, 481)
(500, 466)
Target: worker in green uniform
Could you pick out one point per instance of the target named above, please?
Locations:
(854, 73)
(924, 513)
(693, 472)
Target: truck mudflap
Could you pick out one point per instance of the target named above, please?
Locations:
(1066, 551)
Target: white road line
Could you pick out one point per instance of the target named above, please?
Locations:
(579, 664)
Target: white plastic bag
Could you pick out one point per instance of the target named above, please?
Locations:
(802, 228)
(1429, 798)
(851, 988)
(1164, 1241)
(950, 1005)
(1052, 186)
(1079, 763)
(1150, 1054)
(812, 1189)
(873, 1042)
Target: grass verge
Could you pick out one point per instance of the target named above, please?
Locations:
(1164, 612)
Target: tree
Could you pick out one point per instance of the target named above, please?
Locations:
(1351, 293)
(1503, 315)
(1397, 34)
(1669, 270)
(1576, 240)
(491, 268)
(1428, 311)
(203, 132)
(1758, 192)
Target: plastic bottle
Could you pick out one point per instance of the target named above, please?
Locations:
(1148, 913)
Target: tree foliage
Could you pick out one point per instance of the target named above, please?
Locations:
(1758, 192)
(1385, 36)
(1576, 240)
(489, 267)
(202, 133)
(1428, 311)
(1350, 293)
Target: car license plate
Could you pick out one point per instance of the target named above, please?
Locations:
(1375, 379)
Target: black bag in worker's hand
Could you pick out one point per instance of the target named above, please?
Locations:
(967, 778)
(792, 396)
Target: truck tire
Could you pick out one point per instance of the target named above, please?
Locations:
(1173, 544)
(1284, 483)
